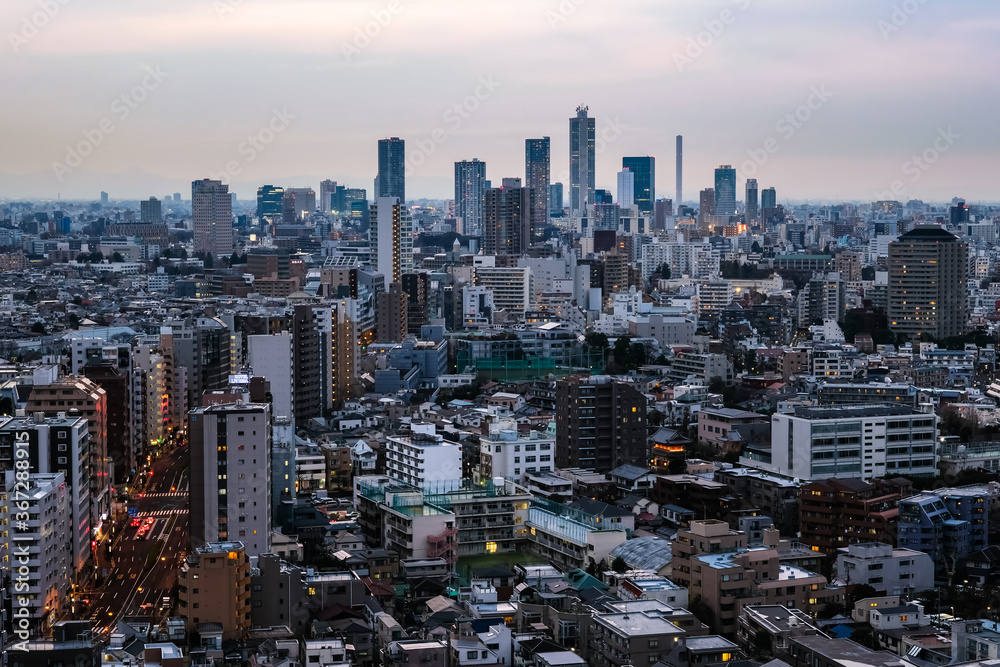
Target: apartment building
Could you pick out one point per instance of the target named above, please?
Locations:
(214, 587)
(894, 571)
(874, 441)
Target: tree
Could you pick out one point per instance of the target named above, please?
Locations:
(82, 257)
(868, 273)
(756, 248)
(865, 636)
(117, 257)
(861, 592)
(619, 565)
(38, 328)
(209, 260)
(762, 645)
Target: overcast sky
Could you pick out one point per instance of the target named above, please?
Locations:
(140, 97)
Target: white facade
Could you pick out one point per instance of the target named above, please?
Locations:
(895, 571)
(866, 441)
(507, 454)
(626, 188)
(391, 238)
(697, 260)
(58, 446)
(511, 286)
(272, 357)
(423, 457)
(36, 519)
(713, 297)
(477, 306)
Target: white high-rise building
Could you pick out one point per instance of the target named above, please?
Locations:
(626, 188)
(391, 238)
(56, 446)
(231, 475)
(423, 457)
(212, 217)
(36, 519)
(511, 286)
(326, 190)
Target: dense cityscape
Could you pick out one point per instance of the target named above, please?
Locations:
(591, 407)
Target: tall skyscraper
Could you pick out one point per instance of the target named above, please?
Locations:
(626, 188)
(753, 206)
(644, 172)
(391, 238)
(959, 214)
(327, 189)
(581, 162)
(508, 219)
(928, 269)
(104, 198)
(470, 195)
(706, 203)
(768, 199)
(150, 211)
(269, 205)
(678, 198)
(725, 190)
(391, 181)
(538, 171)
(556, 204)
(212, 217)
(304, 202)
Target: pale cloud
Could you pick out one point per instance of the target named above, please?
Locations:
(229, 70)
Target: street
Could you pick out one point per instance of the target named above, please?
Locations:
(143, 568)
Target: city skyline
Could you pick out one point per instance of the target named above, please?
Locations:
(854, 146)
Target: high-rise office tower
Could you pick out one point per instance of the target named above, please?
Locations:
(959, 214)
(470, 195)
(725, 190)
(706, 203)
(600, 424)
(302, 203)
(104, 198)
(231, 475)
(307, 354)
(326, 190)
(391, 181)
(391, 238)
(768, 199)
(538, 171)
(626, 188)
(928, 269)
(508, 219)
(212, 217)
(663, 209)
(150, 211)
(269, 205)
(680, 172)
(581, 162)
(556, 200)
(753, 206)
(416, 286)
(644, 172)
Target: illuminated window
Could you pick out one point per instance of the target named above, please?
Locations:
(491, 547)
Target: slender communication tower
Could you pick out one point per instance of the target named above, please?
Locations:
(680, 172)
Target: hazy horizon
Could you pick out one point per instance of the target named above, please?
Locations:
(161, 93)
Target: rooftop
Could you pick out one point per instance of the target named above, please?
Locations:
(638, 624)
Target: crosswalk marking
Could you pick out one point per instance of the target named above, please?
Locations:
(161, 513)
(165, 494)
